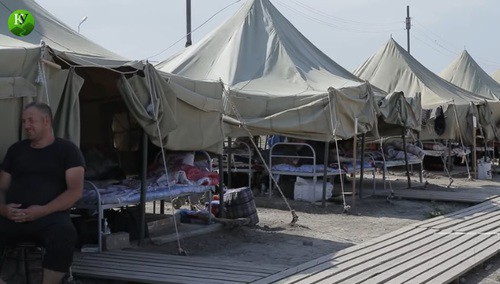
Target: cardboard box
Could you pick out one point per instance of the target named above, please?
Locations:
(163, 225)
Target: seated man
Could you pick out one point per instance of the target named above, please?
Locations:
(41, 178)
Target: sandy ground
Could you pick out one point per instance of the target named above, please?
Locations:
(321, 231)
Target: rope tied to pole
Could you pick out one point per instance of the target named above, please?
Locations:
(461, 140)
(153, 96)
(227, 100)
(333, 114)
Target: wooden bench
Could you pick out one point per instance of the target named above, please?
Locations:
(148, 267)
(437, 250)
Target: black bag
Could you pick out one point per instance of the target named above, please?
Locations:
(126, 220)
(439, 122)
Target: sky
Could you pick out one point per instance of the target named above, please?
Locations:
(348, 31)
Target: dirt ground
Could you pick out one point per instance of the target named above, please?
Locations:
(321, 231)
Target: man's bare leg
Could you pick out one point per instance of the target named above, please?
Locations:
(52, 277)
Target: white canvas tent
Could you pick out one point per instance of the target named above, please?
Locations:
(467, 74)
(278, 81)
(92, 74)
(496, 76)
(393, 69)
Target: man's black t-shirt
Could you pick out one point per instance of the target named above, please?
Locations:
(38, 175)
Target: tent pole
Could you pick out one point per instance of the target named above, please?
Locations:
(474, 146)
(188, 23)
(353, 182)
(406, 156)
(325, 168)
(229, 161)
(449, 160)
(362, 165)
(420, 174)
(221, 187)
(144, 172)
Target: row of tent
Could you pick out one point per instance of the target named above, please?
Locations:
(255, 73)
(268, 65)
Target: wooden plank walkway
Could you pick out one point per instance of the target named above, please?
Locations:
(467, 196)
(437, 250)
(161, 268)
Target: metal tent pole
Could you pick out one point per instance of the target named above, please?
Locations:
(144, 172)
(325, 168)
(406, 156)
(362, 165)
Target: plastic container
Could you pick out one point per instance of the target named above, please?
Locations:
(306, 190)
(484, 170)
(106, 230)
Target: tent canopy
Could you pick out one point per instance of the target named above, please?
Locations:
(92, 74)
(496, 76)
(396, 109)
(393, 69)
(275, 74)
(467, 74)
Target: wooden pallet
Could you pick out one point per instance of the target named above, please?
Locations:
(161, 268)
(437, 250)
(469, 196)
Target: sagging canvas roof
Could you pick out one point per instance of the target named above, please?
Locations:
(393, 69)
(396, 109)
(467, 74)
(25, 77)
(275, 74)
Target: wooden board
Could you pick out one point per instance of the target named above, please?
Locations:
(437, 250)
(439, 195)
(160, 268)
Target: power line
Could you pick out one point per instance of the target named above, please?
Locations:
(436, 42)
(483, 60)
(342, 20)
(198, 27)
(333, 25)
(435, 34)
(430, 46)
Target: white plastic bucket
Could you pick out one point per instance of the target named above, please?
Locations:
(483, 170)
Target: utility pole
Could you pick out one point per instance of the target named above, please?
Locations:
(408, 27)
(188, 23)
